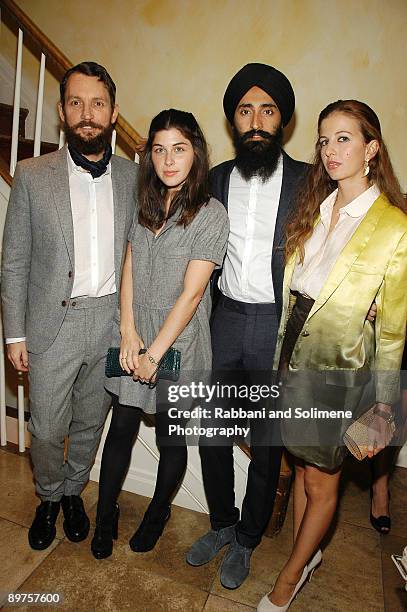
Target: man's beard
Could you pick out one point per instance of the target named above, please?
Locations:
(257, 157)
(88, 146)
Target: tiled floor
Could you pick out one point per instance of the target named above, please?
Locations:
(356, 574)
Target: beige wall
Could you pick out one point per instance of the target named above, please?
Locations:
(182, 53)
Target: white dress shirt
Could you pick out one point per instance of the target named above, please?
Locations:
(93, 227)
(322, 249)
(252, 207)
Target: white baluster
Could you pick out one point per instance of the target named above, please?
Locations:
(16, 108)
(20, 411)
(113, 141)
(61, 139)
(38, 117)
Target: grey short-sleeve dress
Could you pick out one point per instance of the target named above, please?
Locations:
(159, 264)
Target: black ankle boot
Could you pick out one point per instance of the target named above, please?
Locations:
(149, 532)
(106, 531)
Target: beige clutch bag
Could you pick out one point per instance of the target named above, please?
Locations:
(356, 436)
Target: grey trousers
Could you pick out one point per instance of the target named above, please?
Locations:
(68, 399)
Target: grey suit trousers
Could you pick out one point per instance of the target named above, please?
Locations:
(67, 398)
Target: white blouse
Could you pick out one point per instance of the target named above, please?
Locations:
(322, 249)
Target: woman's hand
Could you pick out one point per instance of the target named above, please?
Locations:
(371, 315)
(380, 434)
(146, 370)
(130, 345)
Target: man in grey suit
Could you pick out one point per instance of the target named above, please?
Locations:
(64, 237)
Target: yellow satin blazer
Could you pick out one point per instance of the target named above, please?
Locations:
(336, 335)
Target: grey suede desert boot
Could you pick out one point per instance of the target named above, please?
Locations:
(208, 546)
(235, 565)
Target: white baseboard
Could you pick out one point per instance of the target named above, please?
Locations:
(142, 482)
(141, 476)
(12, 432)
(142, 473)
(402, 457)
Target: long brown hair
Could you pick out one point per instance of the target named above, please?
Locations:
(193, 194)
(318, 185)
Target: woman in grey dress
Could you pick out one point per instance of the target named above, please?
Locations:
(177, 238)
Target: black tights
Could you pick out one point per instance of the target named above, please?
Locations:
(119, 442)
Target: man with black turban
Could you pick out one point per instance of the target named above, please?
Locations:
(257, 188)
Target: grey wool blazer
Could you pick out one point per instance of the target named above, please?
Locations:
(38, 244)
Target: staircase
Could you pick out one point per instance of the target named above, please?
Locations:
(25, 147)
(12, 119)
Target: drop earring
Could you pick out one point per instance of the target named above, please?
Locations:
(366, 168)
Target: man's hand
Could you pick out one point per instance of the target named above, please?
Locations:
(371, 315)
(18, 355)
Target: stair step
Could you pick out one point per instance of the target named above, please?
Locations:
(25, 148)
(6, 119)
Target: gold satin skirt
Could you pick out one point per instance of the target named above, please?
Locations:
(317, 405)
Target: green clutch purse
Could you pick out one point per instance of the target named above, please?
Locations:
(168, 368)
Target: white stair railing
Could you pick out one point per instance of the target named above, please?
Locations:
(113, 141)
(38, 116)
(61, 139)
(13, 162)
(16, 106)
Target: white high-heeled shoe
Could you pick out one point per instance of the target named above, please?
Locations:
(265, 605)
(313, 563)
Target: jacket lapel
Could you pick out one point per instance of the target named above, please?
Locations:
(225, 186)
(290, 180)
(119, 196)
(288, 272)
(60, 189)
(350, 252)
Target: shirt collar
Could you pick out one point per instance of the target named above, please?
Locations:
(357, 208)
(74, 169)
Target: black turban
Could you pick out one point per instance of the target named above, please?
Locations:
(270, 80)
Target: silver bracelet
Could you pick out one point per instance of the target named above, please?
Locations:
(386, 416)
(151, 358)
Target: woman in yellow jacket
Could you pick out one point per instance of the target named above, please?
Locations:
(346, 248)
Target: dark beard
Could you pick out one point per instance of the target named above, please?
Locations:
(257, 157)
(88, 146)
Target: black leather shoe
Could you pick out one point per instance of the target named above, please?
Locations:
(106, 531)
(148, 533)
(76, 523)
(382, 524)
(42, 531)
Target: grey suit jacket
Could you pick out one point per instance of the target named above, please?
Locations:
(38, 244)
